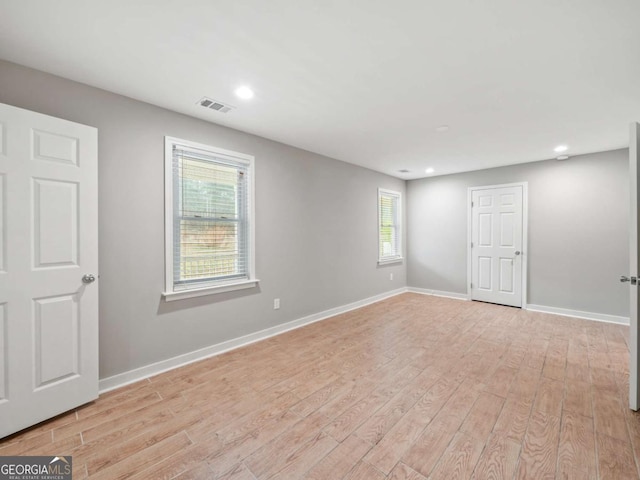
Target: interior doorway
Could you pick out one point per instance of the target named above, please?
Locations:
(497, 253)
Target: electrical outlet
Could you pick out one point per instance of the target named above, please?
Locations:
(391, 276)
(276, 303)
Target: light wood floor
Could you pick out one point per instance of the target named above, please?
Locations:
(413, 387)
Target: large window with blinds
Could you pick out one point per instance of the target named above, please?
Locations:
(209, 219)
(389, 226)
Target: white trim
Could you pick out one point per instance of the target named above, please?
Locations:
(438, 293)
(598, 317)
(565, 312)
(634, 175)
(388, 261)
(122, 379)
(525, 233)
(469, 240)
(199, 292)
(132, 376)
(168, 217)
(170, 294)
(398, 256)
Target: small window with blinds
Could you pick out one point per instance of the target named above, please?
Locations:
(389, 226)
(209, 211)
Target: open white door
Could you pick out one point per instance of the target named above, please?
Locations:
(634, 265)
(48, 243)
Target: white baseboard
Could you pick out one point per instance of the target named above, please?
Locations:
(122, 379)
(438, 293)
(599, 317)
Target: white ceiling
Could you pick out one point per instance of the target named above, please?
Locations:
(364, 81)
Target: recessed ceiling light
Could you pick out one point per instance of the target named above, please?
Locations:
(244, 92)
(442, 128)
(562, 157)
(429, 170)
(560, 148)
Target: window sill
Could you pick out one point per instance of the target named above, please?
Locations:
(387, 261)
(211, 290)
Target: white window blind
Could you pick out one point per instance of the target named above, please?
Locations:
(211, 233)
(389, 225)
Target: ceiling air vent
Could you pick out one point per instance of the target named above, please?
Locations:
(215, 105)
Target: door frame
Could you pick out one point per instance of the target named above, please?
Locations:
(525, 235)
(634, 263)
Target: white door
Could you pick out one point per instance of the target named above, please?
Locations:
(48, 242)
(634, 267)
(497, 244)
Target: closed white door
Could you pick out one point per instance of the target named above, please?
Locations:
(634, 266)
(497, 245)
(48, 242)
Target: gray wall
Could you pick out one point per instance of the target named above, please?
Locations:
(316, 226)
(578, 230)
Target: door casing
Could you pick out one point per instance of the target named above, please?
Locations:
(634, 265)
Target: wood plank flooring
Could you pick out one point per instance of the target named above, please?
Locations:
(411, 388)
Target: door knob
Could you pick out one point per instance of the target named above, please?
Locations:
(633, 280)
(88, 278)
(517, 252)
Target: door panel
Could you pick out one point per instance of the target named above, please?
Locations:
(506, 275)
(507, 199)
(497, 218)
(55, 339)
(507, 226)
(484, 273)
(49, 218)
(55, 223)
(3, 352)
(485, 200)
(2, 137)
(54, 147)
(3, 215)
(485, 234)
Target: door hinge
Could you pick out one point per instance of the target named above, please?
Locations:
(471, 244)
(472, 204)
(471, 285)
